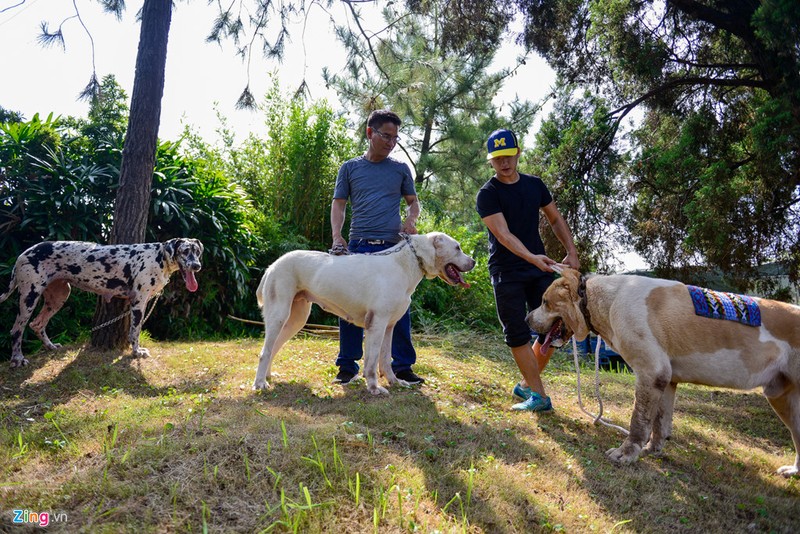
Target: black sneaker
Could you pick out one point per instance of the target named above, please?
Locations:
(409, 376)
(344, 377)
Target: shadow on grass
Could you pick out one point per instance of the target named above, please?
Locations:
(225, 454)
(678, 487)
(97, 372)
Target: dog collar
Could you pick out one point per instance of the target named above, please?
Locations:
(585, 304)
(419, 260)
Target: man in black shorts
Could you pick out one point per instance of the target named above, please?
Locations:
(509, 205)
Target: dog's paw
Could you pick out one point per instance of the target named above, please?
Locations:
(652, 450)
(392, 380)
(53, 346)
(622, 455)
(378, 390)
(260, 385)
(788, 471)
(141, 353)
(19, 361)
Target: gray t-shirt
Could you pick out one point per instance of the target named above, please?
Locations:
(375, 191)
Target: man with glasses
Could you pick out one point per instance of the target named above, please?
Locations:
(375, 184)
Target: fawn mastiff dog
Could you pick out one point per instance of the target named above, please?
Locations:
(369, 290)
(654, 325)
(136, 272)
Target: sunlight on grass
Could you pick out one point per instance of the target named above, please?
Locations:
(180, 442)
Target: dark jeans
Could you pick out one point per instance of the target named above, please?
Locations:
(351, 337)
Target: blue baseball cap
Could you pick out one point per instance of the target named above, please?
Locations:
(502, 143)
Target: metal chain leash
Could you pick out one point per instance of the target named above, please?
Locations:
(411, 246)
(120, 317)
(386, 252)
(340, 250)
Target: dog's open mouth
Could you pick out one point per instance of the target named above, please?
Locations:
(556, 336)
(189, 279)
(454, 275)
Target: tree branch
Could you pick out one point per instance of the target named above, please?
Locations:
(357, 20)
(719, 19)
(9, 8)
(711, 66)
(690, 80)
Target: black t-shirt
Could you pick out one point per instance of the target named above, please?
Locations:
(519, 203)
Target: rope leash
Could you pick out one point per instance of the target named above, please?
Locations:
(599, 417)
(120, 317)
(558, 268)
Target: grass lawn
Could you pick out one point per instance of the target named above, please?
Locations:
(179, 442)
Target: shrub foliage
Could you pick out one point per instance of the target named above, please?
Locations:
(248, 203)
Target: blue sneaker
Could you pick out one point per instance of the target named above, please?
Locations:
(535, 403)
(523, 393)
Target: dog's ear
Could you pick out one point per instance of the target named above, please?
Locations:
(171, 247)
(575, 318)
(572, 276)
(440, 239)
(195, 242)
(572, 280)
(563, 299)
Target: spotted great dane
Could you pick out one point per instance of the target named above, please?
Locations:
(136, 272)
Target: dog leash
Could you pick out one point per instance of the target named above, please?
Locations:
(558, 268)
(411, 246)
(599, 417)
(120, 317)
(341, 250)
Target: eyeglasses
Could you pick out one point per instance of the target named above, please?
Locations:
(386, 137)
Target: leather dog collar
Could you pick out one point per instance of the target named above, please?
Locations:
(585, 305)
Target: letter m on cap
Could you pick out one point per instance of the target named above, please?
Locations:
(500, 142)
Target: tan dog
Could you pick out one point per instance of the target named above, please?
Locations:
(652, 324)
(369, 290)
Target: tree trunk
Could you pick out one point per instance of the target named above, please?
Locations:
(138, 159)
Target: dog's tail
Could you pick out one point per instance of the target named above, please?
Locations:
(12, 285)
(260, 291)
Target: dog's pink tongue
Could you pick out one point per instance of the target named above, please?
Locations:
(191, 281)
(548, 339)
(455, 274)
(546, 344)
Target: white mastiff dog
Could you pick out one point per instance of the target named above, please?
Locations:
(653, 325)
(369, 290)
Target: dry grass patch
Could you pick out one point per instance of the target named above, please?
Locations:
(179, 442)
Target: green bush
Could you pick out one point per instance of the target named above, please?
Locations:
(191, 197)
(248, 204)
(51, 190)
(438, 306)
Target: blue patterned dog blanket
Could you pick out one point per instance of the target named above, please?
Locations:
(729, 306)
